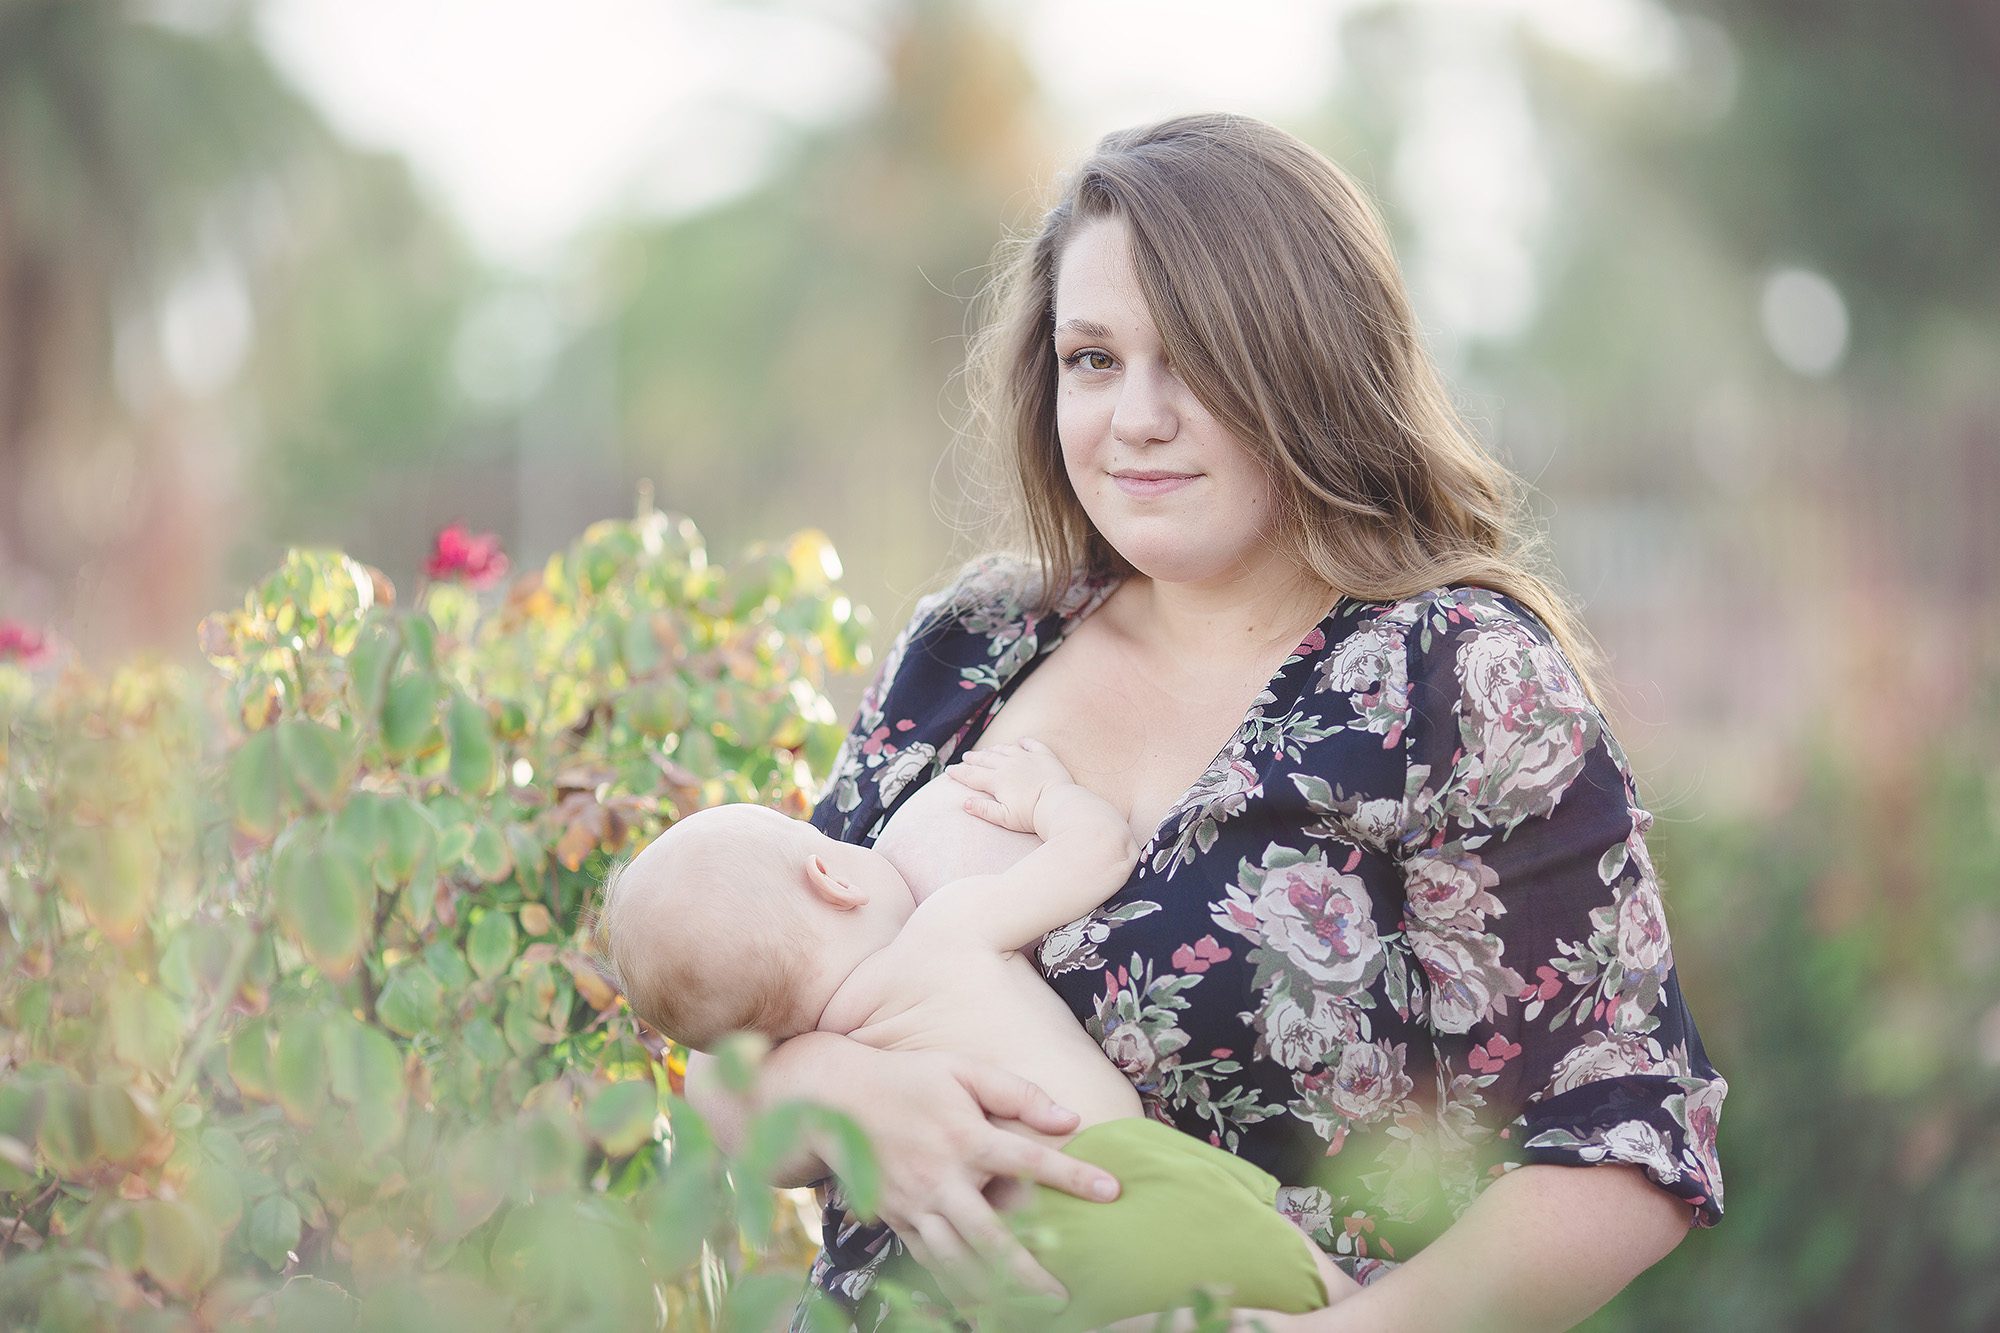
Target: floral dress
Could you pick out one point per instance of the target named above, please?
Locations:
(1402, 936)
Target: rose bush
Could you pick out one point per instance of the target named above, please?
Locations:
(297, 1026)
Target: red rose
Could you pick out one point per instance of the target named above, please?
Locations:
(475, 558)
(19, 643)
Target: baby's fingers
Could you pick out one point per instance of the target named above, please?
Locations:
(979, 779)
(993, 812)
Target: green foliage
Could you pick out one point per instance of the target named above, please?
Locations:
(298, 1030)
(1844, 960)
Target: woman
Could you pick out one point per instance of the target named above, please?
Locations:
(1394, 937)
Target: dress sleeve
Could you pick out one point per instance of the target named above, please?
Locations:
(1533, 909)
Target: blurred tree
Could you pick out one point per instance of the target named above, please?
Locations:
(786, 359)
(1861, 137)
(176, 221)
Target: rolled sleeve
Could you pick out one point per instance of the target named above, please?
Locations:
(1535, 915)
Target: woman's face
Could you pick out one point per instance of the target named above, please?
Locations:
(1165, 483)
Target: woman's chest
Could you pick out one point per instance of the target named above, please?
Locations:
(1137, 735)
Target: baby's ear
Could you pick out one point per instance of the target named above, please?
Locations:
(830, 887)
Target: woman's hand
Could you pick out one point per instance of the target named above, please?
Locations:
(926, 1114)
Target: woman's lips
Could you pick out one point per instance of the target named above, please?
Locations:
(1144, 484)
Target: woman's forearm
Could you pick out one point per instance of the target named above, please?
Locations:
(1541, 1249)
(789, 1072)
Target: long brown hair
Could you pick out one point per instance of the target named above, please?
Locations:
(1270, 277)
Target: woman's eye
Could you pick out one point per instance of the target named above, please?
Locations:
(1084, 358)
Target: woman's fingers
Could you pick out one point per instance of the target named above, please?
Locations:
(1011, 1097)
(939, 1249)
(998, 1248)
(1012, 1155)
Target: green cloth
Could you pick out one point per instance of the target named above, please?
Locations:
(1188, 1216)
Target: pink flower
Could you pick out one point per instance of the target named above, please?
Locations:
(1203, 954)
(1490, 1058)
(1549, 985)
(19, 643)
(475, 558)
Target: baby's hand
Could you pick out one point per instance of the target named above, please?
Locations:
(1013, 778)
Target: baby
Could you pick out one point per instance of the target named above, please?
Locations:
(738, 918)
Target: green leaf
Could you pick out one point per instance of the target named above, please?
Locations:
(412, 1002)
(315, 759)
(176, 1248)
(409, 714)
(325, 901)
(484, 1042)
(112, 872)
(372, 661)
(447, 965)
(363, 825)
(682, 1210)
(420, 637)
(619, 1119)
(250, 1061)
(63, 1133)
(489, 946)
(489, 855)
(298, 1070)
(410, 838)
(212, 1190)
(475, 764)
(274, 1230)
(254, 788)
(363, 1066)
(639, 646)
(118, 1127)
(756, 1301)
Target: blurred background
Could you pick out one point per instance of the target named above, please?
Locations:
(1721, 280)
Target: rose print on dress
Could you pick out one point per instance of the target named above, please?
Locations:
(1307, 916)
(1226, 789)
(1074, 947)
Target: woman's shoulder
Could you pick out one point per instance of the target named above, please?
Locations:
(999, 589)
(1454, 609)
(1462, 639)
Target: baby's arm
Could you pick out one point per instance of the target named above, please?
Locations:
(1086, 853)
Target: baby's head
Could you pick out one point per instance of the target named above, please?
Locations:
(738, 918)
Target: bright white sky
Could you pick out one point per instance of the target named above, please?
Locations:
(531, 119)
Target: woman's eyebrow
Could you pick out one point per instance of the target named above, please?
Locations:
(1084, 328)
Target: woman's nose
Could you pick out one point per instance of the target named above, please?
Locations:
(1146, 412)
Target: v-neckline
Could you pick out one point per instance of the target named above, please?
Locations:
(1067, 625)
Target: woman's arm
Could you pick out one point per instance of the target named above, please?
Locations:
(1540, 1250)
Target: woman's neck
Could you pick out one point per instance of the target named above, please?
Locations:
(1245, 616)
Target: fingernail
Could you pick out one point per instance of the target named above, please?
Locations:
(1105, 1189)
